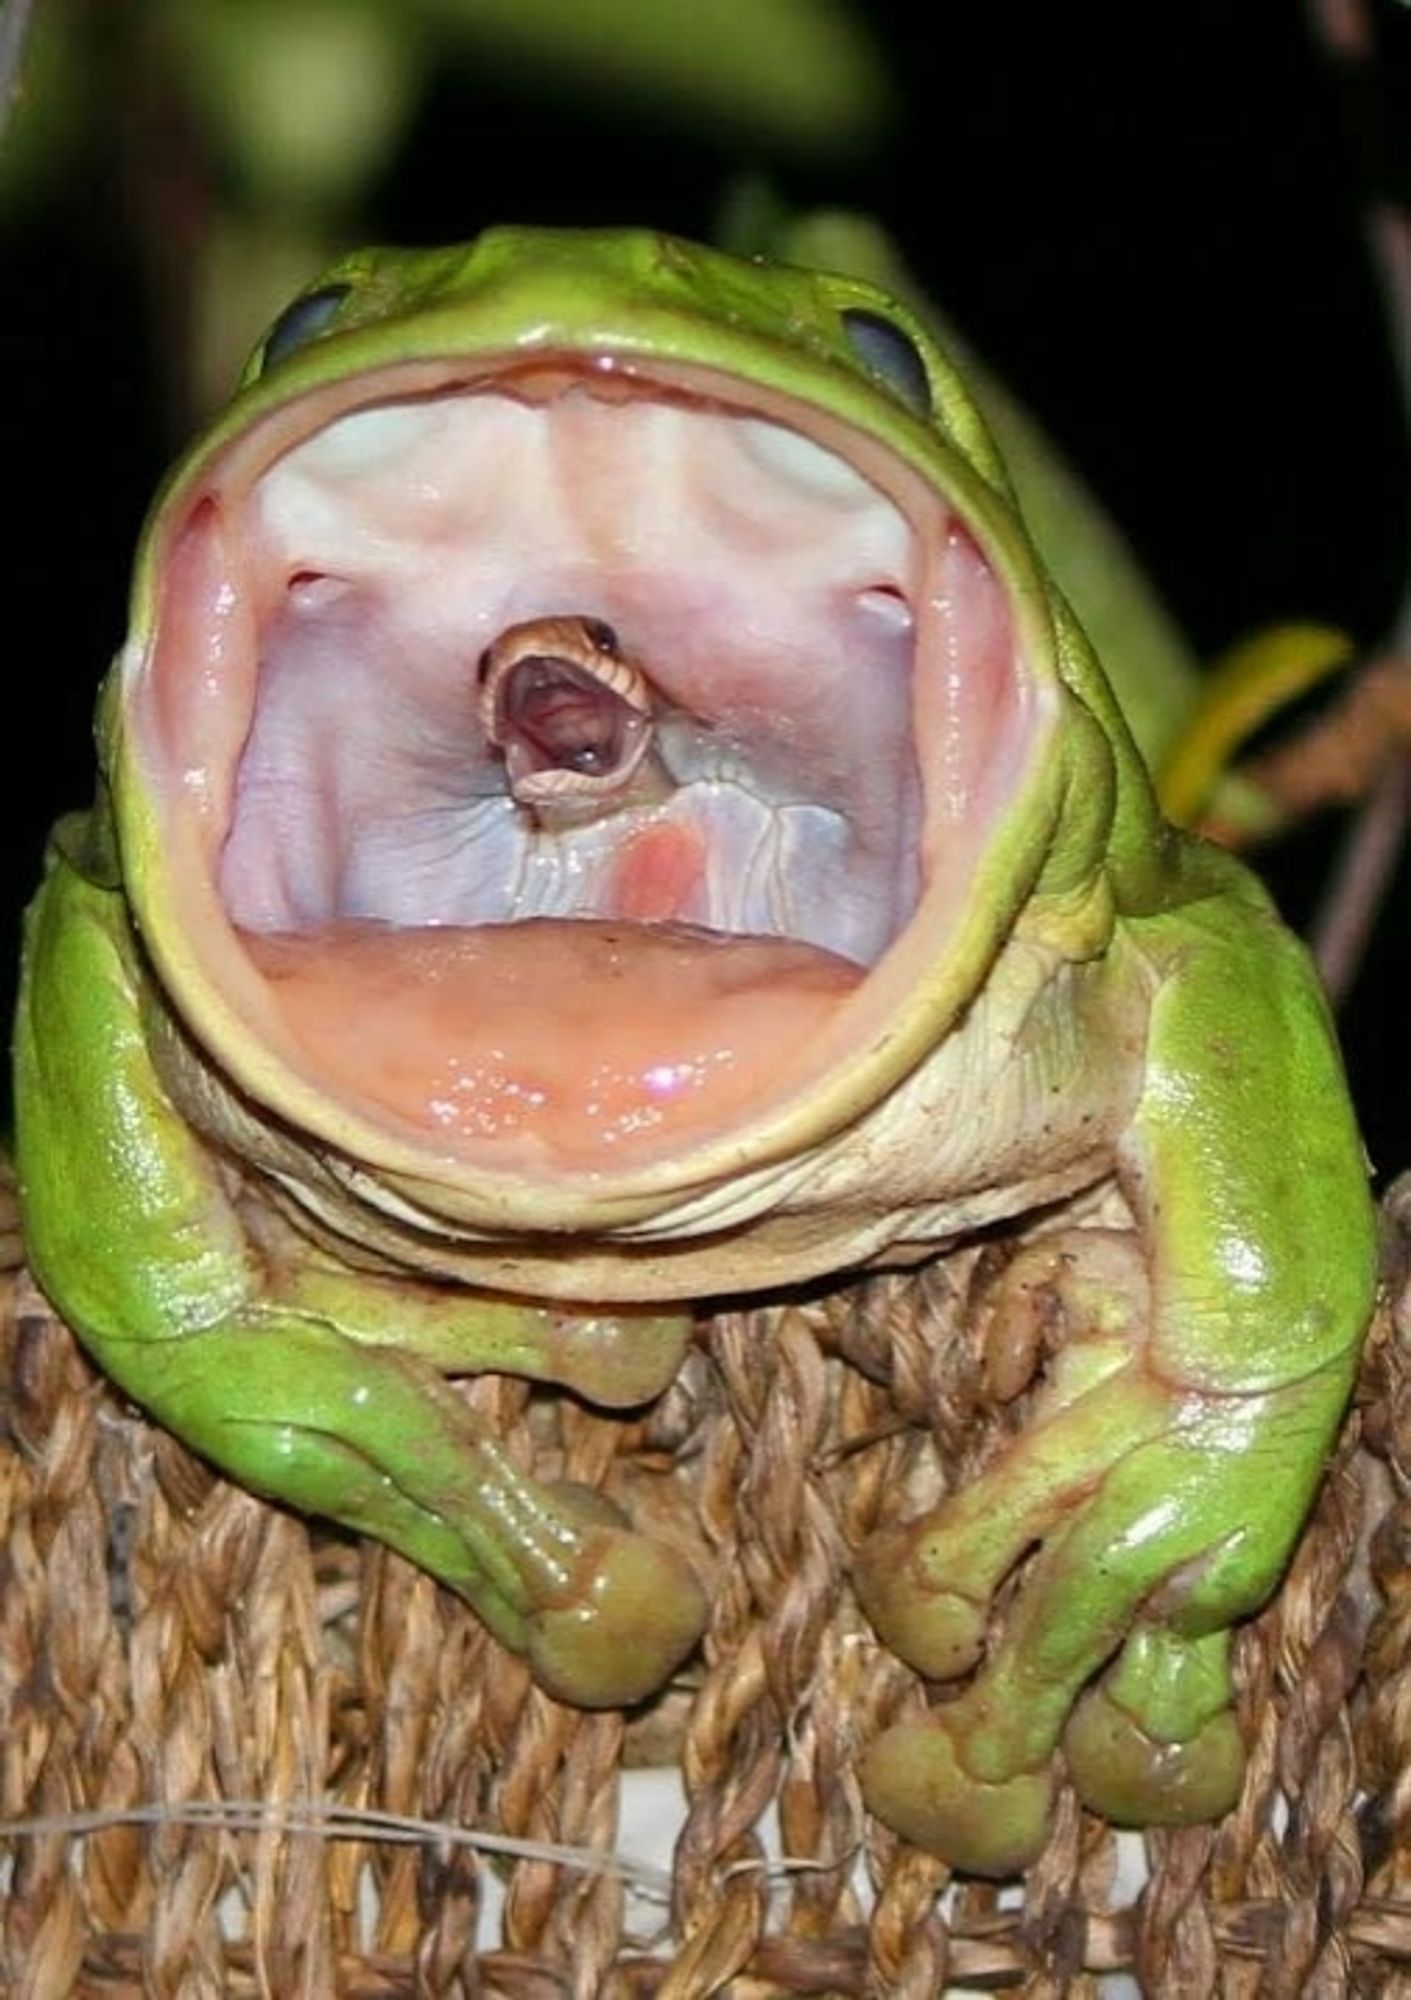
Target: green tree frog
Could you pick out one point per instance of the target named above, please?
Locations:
(602, 806)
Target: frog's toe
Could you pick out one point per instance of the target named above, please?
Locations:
(934, 1627)
(914, 1779)
(614, 1633)
(1136, 1779)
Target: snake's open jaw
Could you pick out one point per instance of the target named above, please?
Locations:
(575, 721)
(831, 710)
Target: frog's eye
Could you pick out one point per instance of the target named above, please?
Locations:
(301, 321)
(889, 351)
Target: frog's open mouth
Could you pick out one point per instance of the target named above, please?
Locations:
(828, 712)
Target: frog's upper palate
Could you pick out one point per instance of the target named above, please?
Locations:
(840, 708)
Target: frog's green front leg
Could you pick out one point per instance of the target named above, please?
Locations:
(1162, 1501)
(614, 1359)
(380, 1443)
(130, 1228)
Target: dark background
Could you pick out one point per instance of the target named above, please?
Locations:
(1150, 220)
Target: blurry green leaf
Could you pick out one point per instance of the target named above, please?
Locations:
(798, 73)
(304, 100)
(50, 110)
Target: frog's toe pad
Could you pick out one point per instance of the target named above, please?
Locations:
(1136, 1780)
(913, 1780)
(938, 1631)
(637, 1611)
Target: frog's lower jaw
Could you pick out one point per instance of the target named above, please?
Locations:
(383, 931)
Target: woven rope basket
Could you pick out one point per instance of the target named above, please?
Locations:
(244, 1755)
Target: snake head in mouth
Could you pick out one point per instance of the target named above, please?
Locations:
(573, 717)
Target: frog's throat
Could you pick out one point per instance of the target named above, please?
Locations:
(363, 928)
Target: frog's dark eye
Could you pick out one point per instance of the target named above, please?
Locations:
(889, 351)
(301, 321)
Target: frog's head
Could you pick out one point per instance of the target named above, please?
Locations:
(592, 723)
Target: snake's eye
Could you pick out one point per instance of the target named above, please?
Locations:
(600, 635)
(482, 667)
(889, 352)
(302, 321)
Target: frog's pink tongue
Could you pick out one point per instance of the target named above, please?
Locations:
(582, 1041)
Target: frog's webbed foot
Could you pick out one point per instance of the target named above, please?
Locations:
(1114, 1553)
(922, 1777)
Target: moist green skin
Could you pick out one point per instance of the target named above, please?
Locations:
(1170, 1458)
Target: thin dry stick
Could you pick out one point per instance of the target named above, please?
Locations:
(334, 1822)
(1343, 926)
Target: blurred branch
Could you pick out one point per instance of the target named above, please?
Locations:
(1344, 925)
(1347, 31)
(14, 29)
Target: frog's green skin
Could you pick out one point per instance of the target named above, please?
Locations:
(1147, 658)
(1100, 1004)
(1163, 687)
